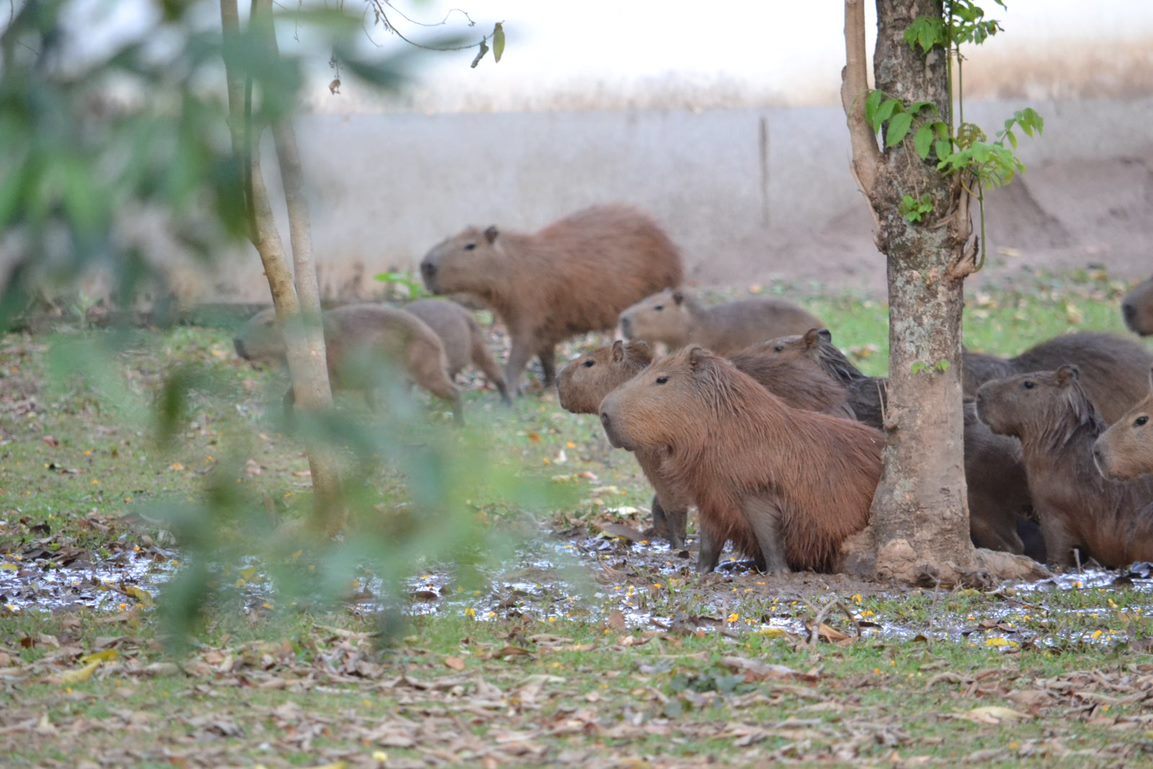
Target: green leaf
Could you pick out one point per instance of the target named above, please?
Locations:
(872, 104)
(943, 148)
(923, 141)
(898, 129)
(887, 109)
(498, 41)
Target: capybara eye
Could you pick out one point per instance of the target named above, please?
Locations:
(662, 380)
(470, 246)
(659, 307)
(1028, 384)
(589, 363)
(779, 348)
(1141, 421)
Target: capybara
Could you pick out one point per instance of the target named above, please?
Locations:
(676, 318)
(994, 473)
(782, 483)
(462, 337)
(584, 383)
(360, 334)
(1137, 309)
(1113, 368)
(1125, 450)
(1052, 415)
(574, 276)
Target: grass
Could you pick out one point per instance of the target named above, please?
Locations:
(612, 655)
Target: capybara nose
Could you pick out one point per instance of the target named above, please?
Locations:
(1129, 312)
(605, 420)
(626, 328)
(427, 269)
(239, 344)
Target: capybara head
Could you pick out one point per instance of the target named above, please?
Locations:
(816, 345)
(1040, 407)
(1125, 450)
(462, 263)
(1137, 309)
(662, 317)
(584, 383)
(260, 339)
(666, 401)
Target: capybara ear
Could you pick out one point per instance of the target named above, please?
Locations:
(814, 335)
(618, 351)
(1068, 373)
(678, 297)
(697, 356)
(491, 233)
(825, 334)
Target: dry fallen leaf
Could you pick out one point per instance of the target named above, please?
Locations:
(993, 714)
(456, 663)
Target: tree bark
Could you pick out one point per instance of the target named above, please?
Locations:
(297, 301)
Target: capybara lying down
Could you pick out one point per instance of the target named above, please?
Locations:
(574, 276)
(676, 318)
(1113, 368)
(584, 383)
(1125, 450)
(356, 336)
(784, 484)
(1052, 415)
(994, 472)
(462, 338)
(1137, 309)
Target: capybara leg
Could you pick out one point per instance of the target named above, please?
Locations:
(710, 552)
(482, 359)
(660, 520)
(518, 358)
(993, 534)
(1059, 542)
(670, 525)
(1031, 540)
(547, 357)
(764, 516)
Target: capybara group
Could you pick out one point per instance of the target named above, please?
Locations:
(787, 486)
(574, 276)
(1113, 368)
(1137, 309)
(1057, 424)
(1125, 450)
(356, 337)
(677, 318)
(462, 337)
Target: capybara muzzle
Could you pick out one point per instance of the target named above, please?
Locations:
(428, 273)
(610, 431)
(239, 344)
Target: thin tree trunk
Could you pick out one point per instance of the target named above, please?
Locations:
(297, 302)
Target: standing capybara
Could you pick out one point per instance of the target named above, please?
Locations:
(994, 472)
(584, 383)
(1113, 368)
(462, 337)
(357, 336)
(574, 276)
(1125, 450)
(785, 484)
(678, 319)
(1137, 309)
(1053, 416)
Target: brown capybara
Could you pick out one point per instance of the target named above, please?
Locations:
(462, 337)
(584, 383)
(784, 484)
(1113, 368)
(994, 472)
(1125, 450)
(355, 337)
(574, 276)
(676, 318)
(1052, 415)
(1137, 309)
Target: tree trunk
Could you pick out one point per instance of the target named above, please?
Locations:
(297, 301)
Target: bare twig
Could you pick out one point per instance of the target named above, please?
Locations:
(854, 91)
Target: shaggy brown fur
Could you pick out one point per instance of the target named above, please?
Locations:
(1125, 450)
(1137, 309)
(786, 484)
(574, 276)
(676, 318)
(462, 337)
(1113, 368)
(584, 383)
(1053, 416)
(360, 334)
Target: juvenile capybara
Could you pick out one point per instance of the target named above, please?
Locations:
(574, 276)
(1137, 309)
(784, 484)
(462, 337)
(1125, 450)
(994, 473)
(584, 383)
(1113, 368)
(357, 336)
(1052, 415)
(676, 318)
